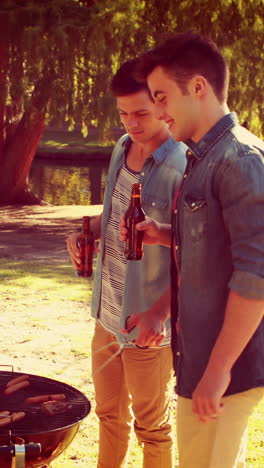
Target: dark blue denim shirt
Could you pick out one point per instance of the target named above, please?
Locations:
(219, 235)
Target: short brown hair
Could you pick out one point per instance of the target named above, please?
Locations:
(124, 81)
(185, 55)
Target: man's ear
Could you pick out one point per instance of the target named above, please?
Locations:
(199, 85)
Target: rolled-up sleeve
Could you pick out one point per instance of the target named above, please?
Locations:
(242, 197)
(247, 284)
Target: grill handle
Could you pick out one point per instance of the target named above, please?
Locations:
(20, 452)
(20, 457)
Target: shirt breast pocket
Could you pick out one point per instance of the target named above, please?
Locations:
(195, 216)
(156, 208)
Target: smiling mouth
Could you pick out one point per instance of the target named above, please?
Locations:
(135, 132)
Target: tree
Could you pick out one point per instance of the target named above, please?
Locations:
(34, 68)
(57, 57)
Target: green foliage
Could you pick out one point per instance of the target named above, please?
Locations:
(72, 48)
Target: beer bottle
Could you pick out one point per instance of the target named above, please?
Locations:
(134, 214)
(86, 246)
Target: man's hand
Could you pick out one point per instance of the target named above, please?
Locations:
(154, 232)
(151, 323)
(230, 343)
(207, 397)
(122, 229)
(151, 329)
(73, 249)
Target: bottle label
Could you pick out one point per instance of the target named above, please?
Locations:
(86, 259)
(134, 214)
(134, 242)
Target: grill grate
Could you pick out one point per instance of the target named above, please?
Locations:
(35, 421)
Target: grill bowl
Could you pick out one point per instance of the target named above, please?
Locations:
(54, 433)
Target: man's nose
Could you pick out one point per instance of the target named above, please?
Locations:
(131, 122)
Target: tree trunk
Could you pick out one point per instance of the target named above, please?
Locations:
(18, 157)
(3, 85)
(20, 148)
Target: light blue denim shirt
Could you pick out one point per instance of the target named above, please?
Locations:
(147, 279)
(220, 246)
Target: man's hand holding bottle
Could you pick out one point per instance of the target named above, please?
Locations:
(154, 232)
(73, 249)
(151, 323)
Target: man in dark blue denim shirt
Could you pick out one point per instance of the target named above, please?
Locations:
(218, 245)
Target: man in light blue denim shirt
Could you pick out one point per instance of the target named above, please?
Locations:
(123, 374)
(218, 246)
(145, 279)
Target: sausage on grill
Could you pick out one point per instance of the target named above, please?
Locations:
(17, 380)
(14, 388)
(6, 418)
(42, 398)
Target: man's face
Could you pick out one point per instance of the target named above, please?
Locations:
(138, 115)
(178, 110)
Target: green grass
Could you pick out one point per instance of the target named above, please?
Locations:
(49, 280)
(45, 308)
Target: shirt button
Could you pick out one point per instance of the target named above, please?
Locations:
(189, 153)
(185, 175)
(176, 247)
(153, 203)
(142, 173)
(193, 204)
(178, 353)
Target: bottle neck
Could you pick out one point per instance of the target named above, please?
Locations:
(86, 225)
(136, 195)
(136, 199)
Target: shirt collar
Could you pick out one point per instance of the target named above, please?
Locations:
(202, 147)
(163, 150)
(158, 154)
(126, 143)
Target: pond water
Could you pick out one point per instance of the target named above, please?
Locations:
(68, 182)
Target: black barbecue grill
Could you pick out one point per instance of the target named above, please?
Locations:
(38, 438)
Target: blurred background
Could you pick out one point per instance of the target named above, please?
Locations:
(58, 121)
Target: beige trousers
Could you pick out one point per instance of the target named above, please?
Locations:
(140, 379)
(216, 444)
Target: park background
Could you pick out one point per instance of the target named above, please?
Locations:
(58, 124)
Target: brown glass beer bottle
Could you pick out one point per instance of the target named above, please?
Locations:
(134, 214)
(86, 246)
